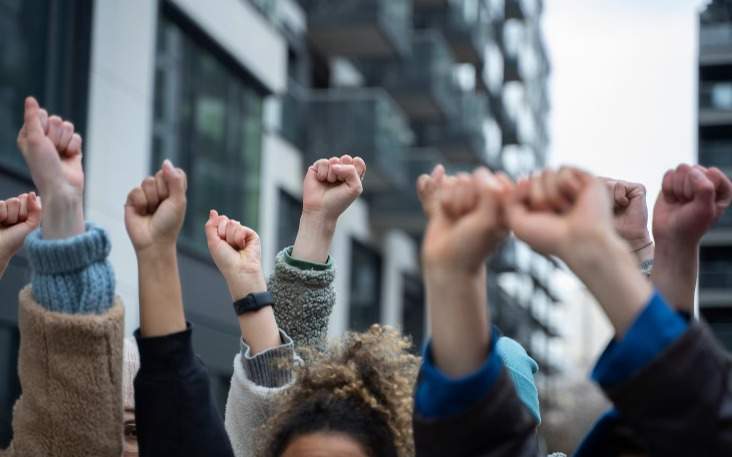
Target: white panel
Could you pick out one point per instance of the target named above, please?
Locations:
(245, 34)
(117, 143)
(400, 256)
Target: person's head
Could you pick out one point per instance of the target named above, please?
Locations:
(130, 367)
(353, 401)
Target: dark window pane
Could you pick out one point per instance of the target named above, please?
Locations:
(413, 321)
(208, 120)
(288, 219)
(715, 267)
(365, 298)
(23, 28)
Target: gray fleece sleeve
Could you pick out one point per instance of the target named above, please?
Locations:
(304, 298)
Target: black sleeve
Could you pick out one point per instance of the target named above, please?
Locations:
(174, 411)
(681, 404)
(497, 426)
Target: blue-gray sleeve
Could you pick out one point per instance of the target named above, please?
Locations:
(72, 275)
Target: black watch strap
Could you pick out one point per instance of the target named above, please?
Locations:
(253, 302)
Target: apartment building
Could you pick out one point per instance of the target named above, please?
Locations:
(715, 149)
(244, 94)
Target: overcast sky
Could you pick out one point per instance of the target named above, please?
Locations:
(623, 85)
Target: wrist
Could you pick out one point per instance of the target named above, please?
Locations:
(242, 285)
(62, 215)
(583, 253)
(314, 237)
(157, 253)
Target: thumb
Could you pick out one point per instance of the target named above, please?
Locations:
(211, 228)
(34, 211)
(701, 187)
(32, 117)
(175, 178)
(349, 174)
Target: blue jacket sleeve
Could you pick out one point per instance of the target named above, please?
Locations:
(654, 330)
(438, 395)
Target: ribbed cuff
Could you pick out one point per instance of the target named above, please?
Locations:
(164, 355)
(304, 264)
(72, 275)
(271, 368)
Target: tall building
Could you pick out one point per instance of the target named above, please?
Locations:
(715, 149)
(244, 94)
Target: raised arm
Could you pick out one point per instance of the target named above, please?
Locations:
(302, 284)
(691, 200)
(465, 404)
(71, 345)
(175, 413)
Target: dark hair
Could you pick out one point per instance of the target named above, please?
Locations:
(346, 416)
(362, 387)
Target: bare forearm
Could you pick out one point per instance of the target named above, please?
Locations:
(63, 216)
(258, 328)
(459, 320)
(161, 300)
(675, 271)
(611, 274)
(314, 238)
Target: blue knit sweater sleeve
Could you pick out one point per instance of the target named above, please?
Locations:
(72, 275)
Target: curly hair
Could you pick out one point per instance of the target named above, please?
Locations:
(362, 387)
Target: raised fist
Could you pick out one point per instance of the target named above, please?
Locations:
(236, 251)
(560, 212)
(466, 221)
(630, 213)
(692, 199)
(18, 217)
(331, 185)
(155, 210)
(52, 151)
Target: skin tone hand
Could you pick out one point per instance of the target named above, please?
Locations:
(692, 199)
(631, 216)
(329, 188)
(52, 151)
(154, 215)
(18, 217)
(236, 251)
(465, 226)
(568, 214)
(427, 187)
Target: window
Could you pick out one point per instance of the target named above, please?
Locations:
(413, 310)
(44, 51)
(288, 219)
(365, 297)
(9, 384)
(715, 267)
(208, 120)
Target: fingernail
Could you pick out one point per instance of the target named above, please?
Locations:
(167, 163)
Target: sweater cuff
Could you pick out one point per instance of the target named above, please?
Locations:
(654, 330)
(271, 368)
(439, 396)
(72, 275)
(304, 264)
(169, 354)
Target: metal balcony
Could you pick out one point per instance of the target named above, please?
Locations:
(405, 211)
(364, 122)
(466, 27)
(360, 28)
(422, 83)
(715, 103)
(462, 137)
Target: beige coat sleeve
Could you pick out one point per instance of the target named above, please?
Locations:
(70, 374)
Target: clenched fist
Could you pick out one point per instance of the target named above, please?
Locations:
(630, 213)
(331, 185)
(18, 217)
(466, 221)
(155, 210)
(236, 251)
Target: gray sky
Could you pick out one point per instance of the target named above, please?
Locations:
(623, 86)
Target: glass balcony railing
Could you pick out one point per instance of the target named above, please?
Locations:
(462, 138)
(360, 28)
(716, 154)
(422, 83)
(294, 111)
(715, 36)
(364, 122)
(466, 25)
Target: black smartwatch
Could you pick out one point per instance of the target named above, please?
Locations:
(253, 302)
